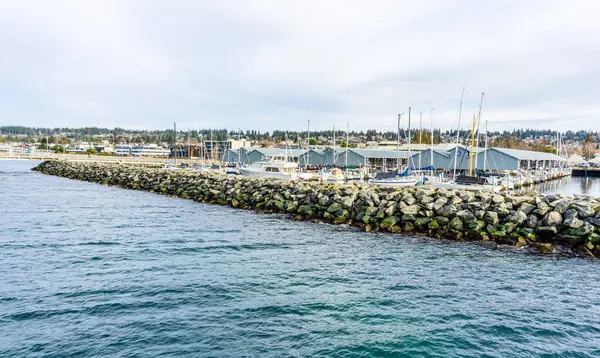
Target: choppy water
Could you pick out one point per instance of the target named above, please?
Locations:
(89, 270)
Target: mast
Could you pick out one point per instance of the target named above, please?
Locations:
(478, 124)
(347, 145)
(333, 160)
(175, 142)
(462, 96)
(398, 144)
(472, 151)
(486, 146)
(431, 154)
(308, 144)
(409, 138)
(420, 138)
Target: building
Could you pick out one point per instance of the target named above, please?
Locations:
(124, 150)
(313, 157)
(380, 160)
(214, 149)
(441, 159)
(502, 159)
(269, 154)
(142, 150)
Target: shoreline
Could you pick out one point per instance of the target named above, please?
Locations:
(548, 223)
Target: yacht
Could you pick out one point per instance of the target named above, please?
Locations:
(333, 175)
(278, 170)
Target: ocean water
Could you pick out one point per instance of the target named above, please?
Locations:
(96, 271)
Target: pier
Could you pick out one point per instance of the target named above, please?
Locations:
(586, 172)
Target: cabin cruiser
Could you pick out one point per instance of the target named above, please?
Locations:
(279, 170)
(333, 175)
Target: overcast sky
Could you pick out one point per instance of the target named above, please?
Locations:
(274, 64)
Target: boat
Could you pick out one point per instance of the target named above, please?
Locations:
(170, 166)
(395, 179)
(333, 175)
(278, 170)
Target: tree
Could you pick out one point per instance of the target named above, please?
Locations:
(589, 147)
(313, 141)
(58, 149)
(91, 150)
(423, 138)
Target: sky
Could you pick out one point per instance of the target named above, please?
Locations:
(258, 64)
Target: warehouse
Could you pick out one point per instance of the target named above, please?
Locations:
(312, 157)
(273, 154)
(380, 160)
(501, 159)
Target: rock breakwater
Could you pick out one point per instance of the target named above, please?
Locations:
(549, 223)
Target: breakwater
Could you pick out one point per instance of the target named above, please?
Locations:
(546, 222)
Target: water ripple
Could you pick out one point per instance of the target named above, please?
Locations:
(90, 270)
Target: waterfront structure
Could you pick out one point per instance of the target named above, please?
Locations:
(274, 154)
(315, 157)
(501, 159)
(144, 150)
(379, 160)
(441, 159)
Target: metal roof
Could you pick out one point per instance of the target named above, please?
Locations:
(379, 154)
(527, 154)
(271, 152)
(315, 152)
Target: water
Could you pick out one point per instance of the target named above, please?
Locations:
(570, 186)
(89, 270)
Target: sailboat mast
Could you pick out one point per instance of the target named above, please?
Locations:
(347, 144)
(308, 143)
(472, 151)
(398, 143)
(462, 96)
(420, 138)
(431, 154)
(486, 147)
(175, 141)
(478, 124)
(333, 160)
(409, 138)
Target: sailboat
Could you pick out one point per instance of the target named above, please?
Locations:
(397, 178)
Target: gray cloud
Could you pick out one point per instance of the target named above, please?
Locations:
(268, 64)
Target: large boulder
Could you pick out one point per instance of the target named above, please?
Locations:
(571, 220)
(527, 208)
(456, 224)
(491, 217)
(465, 215)
(439, 203)
(518, 217)
(389, 221)
(553, 218)
(411, 209)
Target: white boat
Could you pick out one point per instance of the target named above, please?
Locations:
(395, 181)
(170, 167)
(333, 175)
(278, 170)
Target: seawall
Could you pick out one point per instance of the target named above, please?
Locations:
(548, 223)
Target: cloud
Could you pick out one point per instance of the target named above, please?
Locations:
(272, 64)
